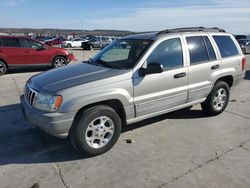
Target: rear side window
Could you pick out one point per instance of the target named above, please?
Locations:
(210, 49)
(197, 50)
(226, 46)
(10, 42)
(168, 53)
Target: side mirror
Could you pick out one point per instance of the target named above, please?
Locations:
(152, 68)
(40, 47)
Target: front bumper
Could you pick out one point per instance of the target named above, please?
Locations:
(56, 124)
(71, 57)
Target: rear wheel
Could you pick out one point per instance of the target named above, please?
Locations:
(96, 131)
(217, 100)
(91, 47)
(69, 45)
(3, 68)
(59, 61)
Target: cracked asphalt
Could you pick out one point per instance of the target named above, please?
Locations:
(179, 149)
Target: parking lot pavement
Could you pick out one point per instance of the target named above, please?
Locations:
(179, 149)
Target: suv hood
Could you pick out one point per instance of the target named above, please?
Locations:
(71, 75)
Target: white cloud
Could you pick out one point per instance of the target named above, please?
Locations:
(233, 19)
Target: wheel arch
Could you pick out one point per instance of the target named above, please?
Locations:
(58, 55)
(1, 59)
(228, 79)
(113, 103)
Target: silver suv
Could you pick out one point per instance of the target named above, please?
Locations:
(134, 78)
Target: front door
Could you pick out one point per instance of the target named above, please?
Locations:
(36, 54)
(155, 93)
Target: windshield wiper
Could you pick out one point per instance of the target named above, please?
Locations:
(102, 63)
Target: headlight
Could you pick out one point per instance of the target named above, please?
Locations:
(70, 52)
(47, 103)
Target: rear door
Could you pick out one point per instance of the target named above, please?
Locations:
(35, 52)
(204, 65)
(12, 51)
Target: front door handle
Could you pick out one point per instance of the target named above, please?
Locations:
(180, 75)
(215, 67)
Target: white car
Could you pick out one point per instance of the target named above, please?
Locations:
(77, 42)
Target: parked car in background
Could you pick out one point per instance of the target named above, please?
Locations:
(240, 37)
(134, 78)
(245, 45)
(96, 42)
(43, 39)
(77, 42)
(24, 51)
(55, 41)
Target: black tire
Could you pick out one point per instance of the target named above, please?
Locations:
(59, 61)
(91, 47)
(3, 68)
(80, 130)
(211, 106)
(68, 45)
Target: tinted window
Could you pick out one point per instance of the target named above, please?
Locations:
(168, 53)
(197, 50)
(226, 46)
(10, 42)
(210, 49)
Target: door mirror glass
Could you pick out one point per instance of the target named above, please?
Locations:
(152, 68)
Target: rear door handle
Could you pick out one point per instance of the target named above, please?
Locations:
(27, 51)
(180, 75)
(215, 67)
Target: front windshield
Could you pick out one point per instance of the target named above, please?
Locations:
(121, 54)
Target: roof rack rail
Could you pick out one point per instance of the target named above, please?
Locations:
(191, 29)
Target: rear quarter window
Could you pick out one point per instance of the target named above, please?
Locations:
(226, 46)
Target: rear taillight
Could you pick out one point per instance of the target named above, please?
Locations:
(243, 63)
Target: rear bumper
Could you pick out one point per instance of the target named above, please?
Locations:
(238, 78)
(56, 124)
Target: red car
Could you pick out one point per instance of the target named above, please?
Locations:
(24, 51)
(55, 41)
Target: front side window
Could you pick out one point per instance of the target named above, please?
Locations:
(197, 50)
(121, 54)
(32, 44)
(226, 46)
(168, 53)
(10, 42)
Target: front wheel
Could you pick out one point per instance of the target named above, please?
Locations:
(96, 131)
(59, 61)
(217, 100)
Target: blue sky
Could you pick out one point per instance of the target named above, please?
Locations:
(133, 15)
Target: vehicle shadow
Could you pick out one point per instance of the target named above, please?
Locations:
(186, 113)
(247, 76)
(22, 143)
(27, 70)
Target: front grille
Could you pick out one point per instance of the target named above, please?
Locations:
(30, 95)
